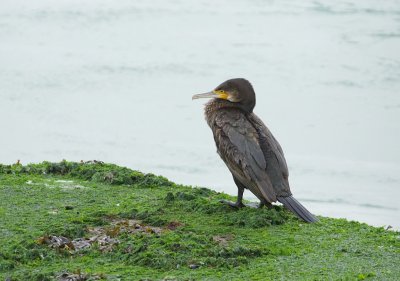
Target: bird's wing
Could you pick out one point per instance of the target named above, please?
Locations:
(238, 144)
(276, 164)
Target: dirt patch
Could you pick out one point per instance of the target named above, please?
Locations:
(130, 226)
(104, 242)
(103, 236)
(72, 277)
(78, 276)
(223, 239)
(174, 225)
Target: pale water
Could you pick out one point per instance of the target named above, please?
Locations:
(113, 80)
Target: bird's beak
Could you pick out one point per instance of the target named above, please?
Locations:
(212, 94)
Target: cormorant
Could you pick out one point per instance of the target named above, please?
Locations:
(248, 148)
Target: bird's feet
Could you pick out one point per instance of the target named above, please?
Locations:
(254, 205)
(232, 204)
(266, 204)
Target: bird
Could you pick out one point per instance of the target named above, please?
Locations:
(248, 148)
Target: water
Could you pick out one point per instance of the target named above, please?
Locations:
(113, 81)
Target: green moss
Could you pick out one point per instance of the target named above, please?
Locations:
(201, 238)
(95, 171)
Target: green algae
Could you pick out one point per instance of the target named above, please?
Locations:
(95, 171)
(68, 198)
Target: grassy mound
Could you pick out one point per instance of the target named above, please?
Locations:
(93, 221)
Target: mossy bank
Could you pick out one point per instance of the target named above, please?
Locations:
(93, 221)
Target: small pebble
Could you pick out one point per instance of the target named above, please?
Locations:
(194, 266)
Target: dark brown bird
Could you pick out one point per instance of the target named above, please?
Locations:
(248, 148)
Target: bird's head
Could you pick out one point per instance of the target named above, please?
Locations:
(238, 91)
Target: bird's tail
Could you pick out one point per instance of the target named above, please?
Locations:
(296, 207)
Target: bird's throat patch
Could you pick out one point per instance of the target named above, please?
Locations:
(222, 94)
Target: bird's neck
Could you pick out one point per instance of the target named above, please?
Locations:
(215, 105)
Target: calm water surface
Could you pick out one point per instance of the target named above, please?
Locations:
(113, 81)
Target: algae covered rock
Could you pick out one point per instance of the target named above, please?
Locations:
(126, 225)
